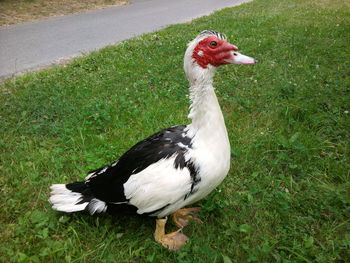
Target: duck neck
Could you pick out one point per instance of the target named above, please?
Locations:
(205, 112)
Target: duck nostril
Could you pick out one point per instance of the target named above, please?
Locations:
(235, 54)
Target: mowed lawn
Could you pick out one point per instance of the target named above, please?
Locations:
(286, 198)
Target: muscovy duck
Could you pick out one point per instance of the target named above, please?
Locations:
(173, 168)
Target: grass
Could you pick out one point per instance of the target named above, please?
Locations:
(286, 198)
(20, 11)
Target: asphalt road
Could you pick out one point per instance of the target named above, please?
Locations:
(33, 45)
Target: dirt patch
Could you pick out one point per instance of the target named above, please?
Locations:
(20, 11)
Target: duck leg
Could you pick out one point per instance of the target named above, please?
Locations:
(172, 241)
(182, 216)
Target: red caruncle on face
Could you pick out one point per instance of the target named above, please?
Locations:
(214, 51)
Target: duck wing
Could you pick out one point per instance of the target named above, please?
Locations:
(151, 175)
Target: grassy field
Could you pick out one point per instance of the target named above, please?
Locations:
(20, 11)
(286, 198)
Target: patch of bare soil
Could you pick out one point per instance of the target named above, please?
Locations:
(20, 11)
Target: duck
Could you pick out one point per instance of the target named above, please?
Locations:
(173, 168)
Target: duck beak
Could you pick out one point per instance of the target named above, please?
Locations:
(238, 58)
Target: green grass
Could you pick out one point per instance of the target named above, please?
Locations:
(286, 198)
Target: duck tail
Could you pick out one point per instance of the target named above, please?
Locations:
(75, 197)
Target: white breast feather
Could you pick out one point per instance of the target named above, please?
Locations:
(158, 185)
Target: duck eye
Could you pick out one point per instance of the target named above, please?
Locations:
(213, 43)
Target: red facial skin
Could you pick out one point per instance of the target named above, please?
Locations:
(211, 54)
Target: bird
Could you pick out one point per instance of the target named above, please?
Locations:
(173, 168)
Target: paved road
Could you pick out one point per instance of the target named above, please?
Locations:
(37, 44)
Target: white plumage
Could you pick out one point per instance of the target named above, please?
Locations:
(146, 190)
(65, 200)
